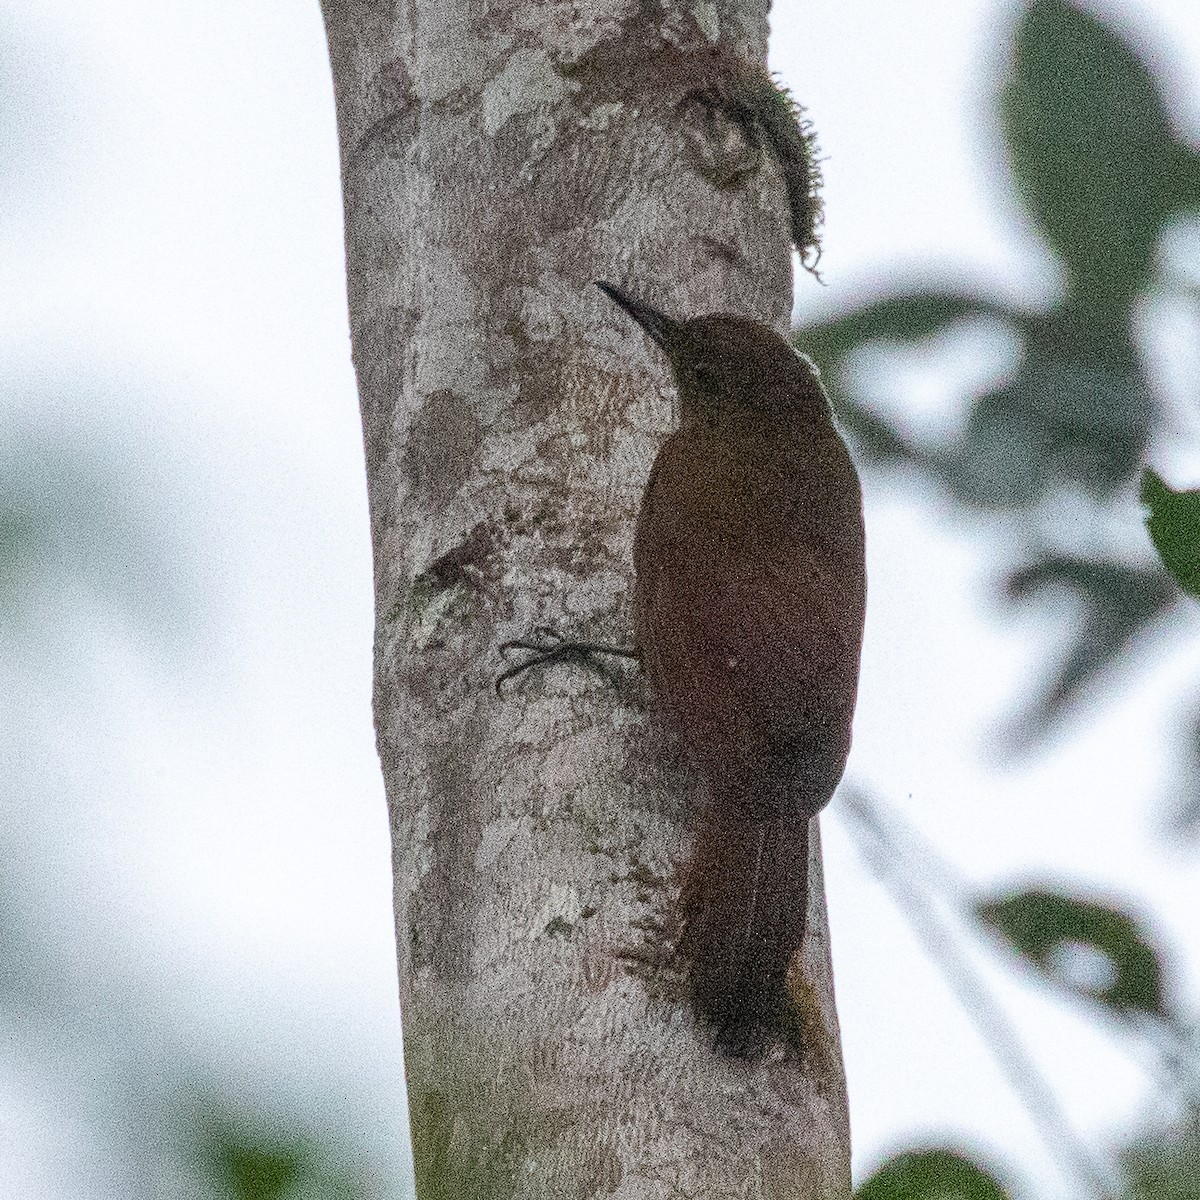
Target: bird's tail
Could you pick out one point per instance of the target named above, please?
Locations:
(745, 897)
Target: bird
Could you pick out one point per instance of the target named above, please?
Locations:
(749, 602)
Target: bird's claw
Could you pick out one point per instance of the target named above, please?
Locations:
(548, 647)
(543, 640)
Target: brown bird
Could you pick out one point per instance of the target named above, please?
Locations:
(748, 612)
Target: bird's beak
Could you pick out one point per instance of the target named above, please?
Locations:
(660, 328)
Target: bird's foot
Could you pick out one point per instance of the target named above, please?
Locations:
(546, 647)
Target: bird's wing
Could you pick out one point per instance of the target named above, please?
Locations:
(752, 649)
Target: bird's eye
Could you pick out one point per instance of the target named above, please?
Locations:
(705, 376)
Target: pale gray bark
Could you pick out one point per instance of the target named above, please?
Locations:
(497, 158)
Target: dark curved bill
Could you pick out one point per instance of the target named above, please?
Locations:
(660, 328)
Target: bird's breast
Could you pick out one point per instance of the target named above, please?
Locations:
(750, 492)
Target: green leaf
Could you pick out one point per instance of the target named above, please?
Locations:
(904, 317)
(253, 1168)
(877, 439)
(931, 1175)
(248, 1154)
(1078, 413)
(1059, 935)
(1163, 1162)
(1092, 151)
(1174, 524)
(1115, 602)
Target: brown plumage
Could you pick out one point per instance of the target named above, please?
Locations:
(748, 612)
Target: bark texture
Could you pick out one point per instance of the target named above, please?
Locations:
(497, 158)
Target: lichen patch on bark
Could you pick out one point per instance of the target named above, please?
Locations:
(527, 82)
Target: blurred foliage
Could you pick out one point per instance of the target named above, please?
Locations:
(931, 1175)
(1174, 525)
(79, 515)
(89, 547)
(254, 1171)
(1164, 1164)
(1113, 600)
(1049, 929)
(1100, 172)
(244, 1158)
(1047, 462)
(1187, 810)
(1098, 165)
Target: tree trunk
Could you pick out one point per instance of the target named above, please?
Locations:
(497, 158)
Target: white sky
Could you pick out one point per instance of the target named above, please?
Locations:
(223, 827)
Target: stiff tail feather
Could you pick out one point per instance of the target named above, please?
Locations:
(745, 897)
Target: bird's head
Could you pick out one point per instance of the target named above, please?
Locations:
(728, 368)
